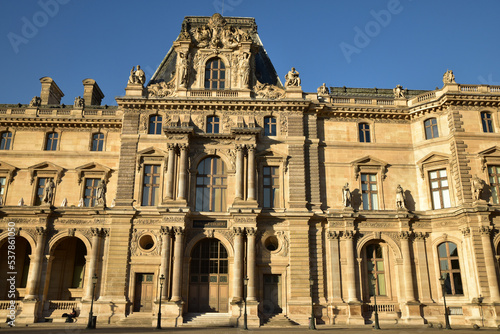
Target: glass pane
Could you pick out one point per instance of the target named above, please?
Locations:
(381, 284)
(490, 170)
(446, 198)
(364, 186)
(373, 177)
(374, 202)
(216, 127)
(453, 249)
(494, 195)
(434, 184)
(428, 133)
(367, 134)
(444, 264)
(363, 177)
(455, 264)
(442, 250)
(435, 131)
(433, 175)
(442, 173)
(373, 186)
(204, 279)
(444, 183)
(436, 200)
(154, 196)
(222, 75)
(267, 197)
(145, 196)
(457, 279)
(380, 265)
(365, 202)
(370, 265)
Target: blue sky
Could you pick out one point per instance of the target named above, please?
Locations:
(363, 43)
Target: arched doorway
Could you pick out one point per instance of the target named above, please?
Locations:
(209, 278)
(22, 253)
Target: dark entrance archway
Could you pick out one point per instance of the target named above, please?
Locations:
(209, 278)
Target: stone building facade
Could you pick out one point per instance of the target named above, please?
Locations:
(230, 184)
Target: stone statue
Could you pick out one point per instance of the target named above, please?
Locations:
(477, 187)
(21, 202)
(64, 202)
(448, 77)
(346, 196)
(101, 193)
(81, 203)
(292, 78)
(183, 68)
(244, 66)
(400, 198)
(399, 93)
(113, 203)
(48, 193)
(35, 101)
(323, 90)
(137, 76)
(79, 102)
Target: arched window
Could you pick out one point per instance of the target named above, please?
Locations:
(51, 141)
(215, 74)
(375, 268)
(5, 140)
(211, 185)
(213, 124)
(431, 128)
(364, 133)
(97, 142)
(449, 268)
(154, 125)
(270, 126)
(487, 122)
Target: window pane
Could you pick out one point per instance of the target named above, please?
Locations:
(446, 198)
(380, 266)
(363, 177)
(381, 284)
(444, 264)
(373, 177)
(267, 198)
(453, 249)
(374, 202)
(436, 200)
(457, 279)
(433, 175)
(455, 264)
(442, 250)
(442, 172)
(365, 202)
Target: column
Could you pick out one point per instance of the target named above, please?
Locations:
(35, 265)
(238, 265)
(165, 258)
(405, 250)
(239, 172)
(424, 288)
(182, 172)
(351, 266)
(333, 238)
(489, 263)
(251, 295)
(177, 270)
(251, 172)
(96, 233)
(170, 171)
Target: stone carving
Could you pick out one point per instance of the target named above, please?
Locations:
(405, 235)
(217, 34)
(400, 197)
(284, 242)
(448, 77)
(333, 235)
(184, 35)
(399, 93)
(101, 193)
(485, 230)
(244, 69)
(64, 202)
(477, 187)
(323, 90)
(346, 196)
(420, 235)
(349, 235)
(238, 231)
(113, 203)
(48, 193)
(184, 68)
(465, 231)
(267, 91)
(35, 101)
(81, 203)
(137, 76)
(161, 89)
(292, 78)
(79, 102)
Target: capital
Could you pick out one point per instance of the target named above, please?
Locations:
(348, 235)
(179, 231)
(485, 230)
(332, 235)
(237, 231)
(39, 231)
(404, 235)
(164, 230)
(251, 231)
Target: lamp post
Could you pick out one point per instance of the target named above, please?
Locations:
(374, 281)
(480, 302)
(446, 318)
(312, 323)
(245, 281)
(158, 323)
(90, 324)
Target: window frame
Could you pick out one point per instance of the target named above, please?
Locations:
(90, 176)
(450, 270)
(160, 183)
(158, 129)
(270, 125)
(448, 187)
(362, 133)
(431, 126)
(222, 185)
(91, 144)
(213, 124)
(495, 186)
(208, 80)
(10, 140)
(487, 122)
(46, 140)
(369, 191)
(46, 176)
(277, 193)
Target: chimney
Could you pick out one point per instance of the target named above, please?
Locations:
(92, 94)
(50, 94)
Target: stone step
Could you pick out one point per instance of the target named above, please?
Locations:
(138, 319)
(278, 320)
(211, 319)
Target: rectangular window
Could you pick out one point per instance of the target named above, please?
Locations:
(487, 122)
(369, 191)
(2, 190)
(151, 185)
(271, 187)
(97, 142)
(364, 133)
(213, 124)
(439, 189)
(494, 176)
(431, 128)
(51, 142)
(40, 190)
(270, 126)
(90, 192)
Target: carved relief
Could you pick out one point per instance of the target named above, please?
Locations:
(136, 250)
(268, 91)
(283, 124)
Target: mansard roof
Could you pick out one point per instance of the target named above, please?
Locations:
(242, 28)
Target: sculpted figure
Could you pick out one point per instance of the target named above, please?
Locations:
(48, 193)
(35, 101)
(346, 196)
(101, 193)
(183, 68)
(137, 76)
(323, 90)
(131, 78)
(448, 77)
(477, 187)
(292, 78)
(399, 92)
(400, 198)
(79, 102)
(64, 202)
(244, 65)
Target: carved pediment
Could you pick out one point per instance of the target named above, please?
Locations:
(268, 91)
(8, 169)
(46, 166)
(370, 163)
(93, 167)
(432, 159)
(490, 155)
(150, 153)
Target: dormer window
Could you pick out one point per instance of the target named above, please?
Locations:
(215, 74)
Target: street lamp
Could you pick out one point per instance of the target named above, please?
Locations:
(91, 324)
(480, 302)
(158, 323)
(312, 324)
(446, 318)
(374, 281)
(245, 281)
